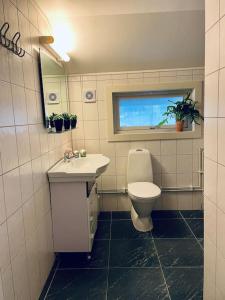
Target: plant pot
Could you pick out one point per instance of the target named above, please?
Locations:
(66, 124)
(52, 124)
(179, 125)
(73, 123)
(58, 125)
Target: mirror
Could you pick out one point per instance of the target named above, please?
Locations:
(54, 87)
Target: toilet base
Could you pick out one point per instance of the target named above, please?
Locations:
(141, 224)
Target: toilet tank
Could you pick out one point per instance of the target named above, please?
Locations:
(139, 167)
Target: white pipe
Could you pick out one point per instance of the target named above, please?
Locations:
(198, 188)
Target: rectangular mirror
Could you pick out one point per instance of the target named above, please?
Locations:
(54, 87)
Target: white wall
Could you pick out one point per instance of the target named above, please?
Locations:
(214, 200)
(26, 152)
(175, 163)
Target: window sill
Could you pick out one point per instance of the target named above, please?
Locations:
(154, 135)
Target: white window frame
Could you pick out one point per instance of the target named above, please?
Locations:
(150, 133)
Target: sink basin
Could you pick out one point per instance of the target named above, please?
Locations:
(79, 169)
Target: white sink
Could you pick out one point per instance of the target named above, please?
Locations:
(79, 169)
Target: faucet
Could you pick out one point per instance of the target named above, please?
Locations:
(66, 156)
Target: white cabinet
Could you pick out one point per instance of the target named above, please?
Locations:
(75, 211)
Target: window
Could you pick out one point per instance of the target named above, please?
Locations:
(135, 110)
(144, 110)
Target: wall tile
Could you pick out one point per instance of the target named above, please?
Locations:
(220, 267)
(16, 233)
(210, 269)
(220, 232)
(210, 186)
(169, 163)
(168, 148)
(90, 111)
(221, 141)
(210, 215)
(8, 148)
(221, 187)
(212, 49)
(4, 249)
(222, 8)
(6, 112)
(7, 282)
(211, 12)
(23, 142)
(19, 105)
(16, 69)
(222, 42)
(211, 92)
(210, 136)
(12, 195)
(31, 106)
(20, 276)
(2, 202)
(184, 163)
(91, 130)
(34, 141)
(26, 181)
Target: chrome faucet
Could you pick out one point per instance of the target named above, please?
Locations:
(66, 156)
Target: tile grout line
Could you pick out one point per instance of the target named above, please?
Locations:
(191, 231)
(164, 278)
(50, 284)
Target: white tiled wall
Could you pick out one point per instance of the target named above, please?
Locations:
(26, 152)
(175, 163)
(214, 200)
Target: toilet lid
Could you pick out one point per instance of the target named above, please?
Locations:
(144, 190)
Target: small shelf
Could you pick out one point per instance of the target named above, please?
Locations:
(54, 132)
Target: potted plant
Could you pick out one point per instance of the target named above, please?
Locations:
(66, 121)
(51, 120)
(181, 111)
(73, 121)
(58, 122)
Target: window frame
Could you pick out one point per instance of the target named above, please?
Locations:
(155, 94)
(152, 132)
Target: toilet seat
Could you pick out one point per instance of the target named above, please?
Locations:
(142, 191)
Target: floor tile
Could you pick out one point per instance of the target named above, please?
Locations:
(170, 228)
(79, 284)
(133, 253)
(104, 215)
(124, 229)
(192, 214)
(162, 214)
(184, 283)
(121, 215)
(201, 241)
(179, 252)
(197, 226)
(140, 284)
(103, 230)
(99, 257)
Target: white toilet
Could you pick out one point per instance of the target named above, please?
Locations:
(141, 189)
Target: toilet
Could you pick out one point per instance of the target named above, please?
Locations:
(141, 189)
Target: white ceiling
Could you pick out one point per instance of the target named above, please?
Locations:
(130, 34)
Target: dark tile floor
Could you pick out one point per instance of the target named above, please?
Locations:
(127, 264)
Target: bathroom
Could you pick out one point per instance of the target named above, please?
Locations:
(131, 49)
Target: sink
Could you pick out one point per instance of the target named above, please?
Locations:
(79, 169)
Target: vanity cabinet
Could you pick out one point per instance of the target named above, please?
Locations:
(75, 209)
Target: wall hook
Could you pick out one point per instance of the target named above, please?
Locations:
(11, 45)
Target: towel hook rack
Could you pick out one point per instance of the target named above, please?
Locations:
(11, 45)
